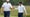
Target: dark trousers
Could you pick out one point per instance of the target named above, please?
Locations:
(6, 13)
(20, 14)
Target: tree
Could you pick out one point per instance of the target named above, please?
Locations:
(0, 3)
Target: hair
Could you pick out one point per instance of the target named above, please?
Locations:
(20, 2)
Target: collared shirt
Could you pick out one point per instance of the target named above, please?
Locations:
(21, 9)
(7, 6)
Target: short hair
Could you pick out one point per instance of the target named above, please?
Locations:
(20, 2)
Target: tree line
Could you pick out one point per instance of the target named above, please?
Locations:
(15, 2)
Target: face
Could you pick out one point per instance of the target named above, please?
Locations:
(20, 4)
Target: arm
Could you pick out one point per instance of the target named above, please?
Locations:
(11, 7)
(25, 11)
(2, 8)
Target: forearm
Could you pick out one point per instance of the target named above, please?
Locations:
(25, 12)
(12, 9)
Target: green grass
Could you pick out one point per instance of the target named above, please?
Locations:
(10, 16)
(14, 16)
(15, 12)
(28, 16)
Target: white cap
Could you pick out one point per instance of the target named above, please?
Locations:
(7, 0)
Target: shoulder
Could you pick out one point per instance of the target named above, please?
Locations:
(23, 6)
(4, 3)
(9, 3)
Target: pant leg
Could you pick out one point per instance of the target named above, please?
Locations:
(5, 14)
(20, 14)
(8, 14)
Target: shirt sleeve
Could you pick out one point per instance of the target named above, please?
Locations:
(3, 5)
(24, 7)
(10, 5)
(18, 8)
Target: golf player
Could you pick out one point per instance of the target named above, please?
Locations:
(6, 7)
(21, 9)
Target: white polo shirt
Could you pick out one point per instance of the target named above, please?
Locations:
(21, 9)
(7, 6)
